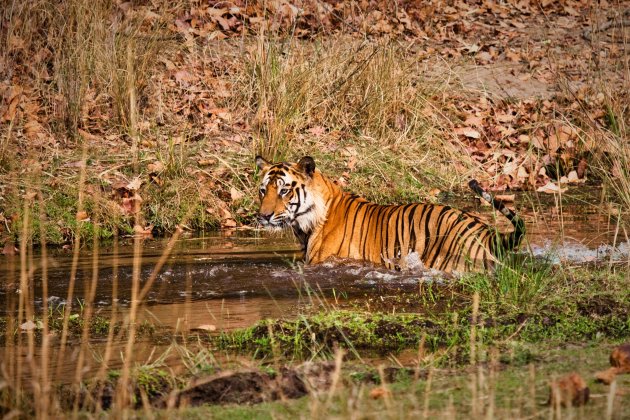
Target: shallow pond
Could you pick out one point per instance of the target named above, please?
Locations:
(228, 280)
(232, 279)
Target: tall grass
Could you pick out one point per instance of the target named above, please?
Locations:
(519, 280)
(98, 58)
(369, 96)
(367, 90)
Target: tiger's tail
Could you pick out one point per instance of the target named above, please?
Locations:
(509, 240)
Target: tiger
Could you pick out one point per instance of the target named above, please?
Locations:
(330, 223)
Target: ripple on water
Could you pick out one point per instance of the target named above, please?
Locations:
(576, 252)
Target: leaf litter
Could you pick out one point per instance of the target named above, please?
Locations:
(517, 73)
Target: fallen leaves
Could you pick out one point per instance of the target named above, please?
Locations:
(551, 188)
(515, 128)
(570, 390)
(227, 219)
(13, 99)
(620, 364)
(467, 132)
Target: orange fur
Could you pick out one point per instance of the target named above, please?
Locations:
(329, 222)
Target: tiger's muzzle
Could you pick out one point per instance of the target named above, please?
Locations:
(271, 219)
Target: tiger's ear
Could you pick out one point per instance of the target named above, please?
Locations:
(307, 165)
(262, 163)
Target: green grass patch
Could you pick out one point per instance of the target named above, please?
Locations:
(529, 306)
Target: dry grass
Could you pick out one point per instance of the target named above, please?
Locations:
(88, 59)
(357, 107)
(366, 110)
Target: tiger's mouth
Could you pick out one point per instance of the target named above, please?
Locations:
(273, 221)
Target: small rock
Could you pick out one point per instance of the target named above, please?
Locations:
(569, 390)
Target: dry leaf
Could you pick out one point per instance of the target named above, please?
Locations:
(205, 327)
(352, 163)
(349, 151)
(13, 99)
(505, 118)
(317, 131)
(379, 392)
(88, 136)
(9, 249)
(131, 205)
(505, 197)
(143, 230)
(474, 121)
(28, 326)
(155, 167)
(620, 357)
(468, 132)
(235, 194)
(607, 376)
(134, 185)
(82, 216)
(551, 188)
(32, 129)
(569, 390)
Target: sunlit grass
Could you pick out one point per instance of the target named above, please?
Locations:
(368, 103)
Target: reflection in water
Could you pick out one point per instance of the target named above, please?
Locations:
(251, 275)
(225, 282)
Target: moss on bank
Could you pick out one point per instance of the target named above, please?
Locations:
(577, 305)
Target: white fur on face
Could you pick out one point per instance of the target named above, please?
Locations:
(313, 210)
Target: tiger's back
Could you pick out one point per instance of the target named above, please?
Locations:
(332, 223)
(442, 237)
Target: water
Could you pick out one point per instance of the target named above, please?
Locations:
(228, 280)
(236, 278)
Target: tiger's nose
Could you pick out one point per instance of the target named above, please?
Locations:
(265, 217)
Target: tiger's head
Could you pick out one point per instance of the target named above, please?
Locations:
(289, 195)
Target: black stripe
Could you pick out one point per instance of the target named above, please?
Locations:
(354, 221)
(370, 211)
(412, 228)
(467, 229)
(311, 207)
(345, 227)
(378, 224)
(390, 214)
(427, 232)
(440, 238)
(396, 229)
(457, 235)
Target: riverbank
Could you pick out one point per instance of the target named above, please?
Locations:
(135, 119)
(453, 347)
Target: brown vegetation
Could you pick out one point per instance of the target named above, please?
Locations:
(164, 104)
